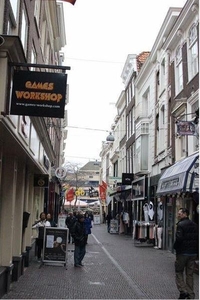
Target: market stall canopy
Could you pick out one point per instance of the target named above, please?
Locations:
(183, 176)
(79, 203)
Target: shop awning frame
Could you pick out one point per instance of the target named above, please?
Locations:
(180, 177)
(122, 193)
(120, 189)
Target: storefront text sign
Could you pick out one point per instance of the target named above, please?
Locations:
(39, 94)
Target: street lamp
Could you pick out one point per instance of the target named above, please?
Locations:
(110, 138)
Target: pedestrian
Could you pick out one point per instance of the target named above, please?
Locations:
(80, 237)
(108, 219)
(52, 222)
(88, 225)
(69, 221)
(39, 226)
(104, 216)
(186, 246)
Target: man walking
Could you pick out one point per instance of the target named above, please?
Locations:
(186, 246)
(80, 239)
(69, 221)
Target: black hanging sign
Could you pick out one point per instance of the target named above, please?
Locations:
(39, 94)
(41, 180)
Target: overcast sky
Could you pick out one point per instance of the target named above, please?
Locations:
(100, 34)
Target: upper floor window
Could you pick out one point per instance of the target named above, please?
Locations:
(14, 5)
(192, 52)
(37, 11)
(179, 70)
(142, 128)
(145, 103)
(129, 124)
(33, 56)
(24, 31)
(162, 75)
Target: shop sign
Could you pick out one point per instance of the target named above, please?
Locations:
(61, 172)
(185, 128)
(39, 94)
(127, 178)
(114, 180)
(169, 184)
(41, 180)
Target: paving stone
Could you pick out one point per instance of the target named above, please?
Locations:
(114, 268)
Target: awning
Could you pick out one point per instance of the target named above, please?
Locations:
(122, 192)
(183, 176)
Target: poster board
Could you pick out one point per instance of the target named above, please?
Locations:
(114, 226)
(55, 246)
(96, 219)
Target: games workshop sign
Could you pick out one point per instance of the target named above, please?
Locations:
(39, 94)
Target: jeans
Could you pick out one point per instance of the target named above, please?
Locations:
(185, 263)
(79, 253)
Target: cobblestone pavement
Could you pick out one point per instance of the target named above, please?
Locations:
(114, 268)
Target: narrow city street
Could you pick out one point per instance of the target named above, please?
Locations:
(114, 268)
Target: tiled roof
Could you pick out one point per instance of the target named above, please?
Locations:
(91, 166)
(141, 59)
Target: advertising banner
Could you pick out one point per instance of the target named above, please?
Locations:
(39, 94)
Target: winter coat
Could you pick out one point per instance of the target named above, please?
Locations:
(187, 237)
(78, 234)
(69, 221)
(88, 225)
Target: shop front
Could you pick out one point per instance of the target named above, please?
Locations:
(122, 208)
(143, 213)
(179, 187)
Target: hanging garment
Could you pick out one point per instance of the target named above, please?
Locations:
(159, 233)
(146, 212)
(160, 211)
(151, 210)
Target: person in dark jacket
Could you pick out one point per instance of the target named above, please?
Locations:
(108, 219)
(80, 239)
(69, 221)
(50, 219)
(88, 225)
(186, 246)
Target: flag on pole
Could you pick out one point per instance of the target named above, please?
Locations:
(102, 192)
(104, 184)
(70, 194)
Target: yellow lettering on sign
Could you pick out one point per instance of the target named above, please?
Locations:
(38, 96)
(49, 86)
